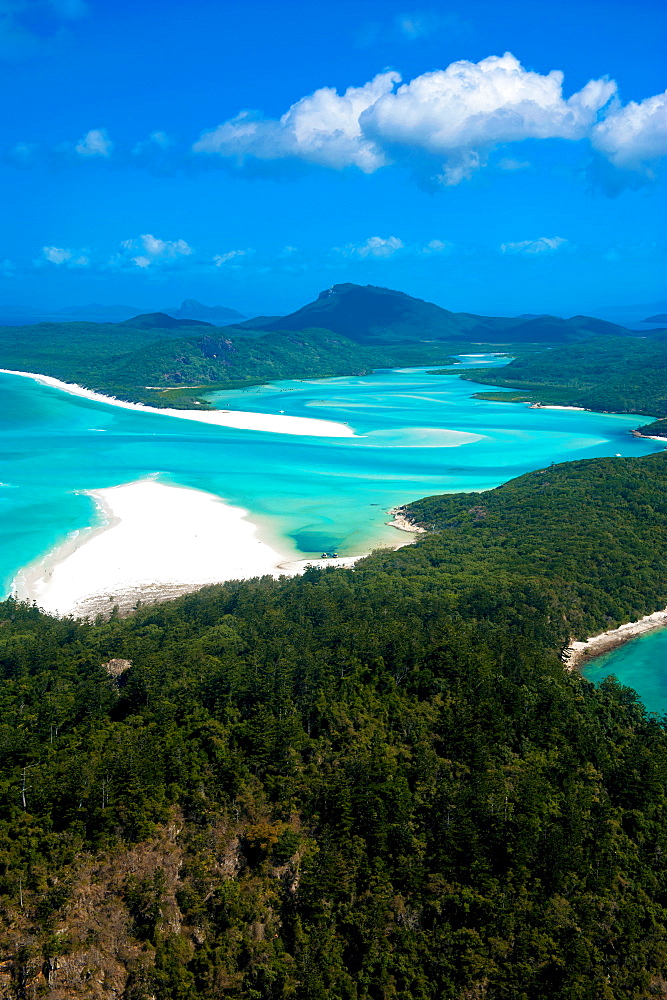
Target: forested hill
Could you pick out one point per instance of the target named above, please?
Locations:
(609, 373)
(149, 363)
(370, 314)
(360, 784)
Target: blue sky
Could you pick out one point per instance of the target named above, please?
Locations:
(496, 158)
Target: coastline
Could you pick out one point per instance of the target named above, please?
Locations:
(156, 541)
(404, 523)
(577, 654)
(237, 419)
(650, 437)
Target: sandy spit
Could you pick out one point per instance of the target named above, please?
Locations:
(273, 423)
(577, 654)
(155, 542)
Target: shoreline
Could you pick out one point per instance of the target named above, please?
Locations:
(237, 419)
(579, 653)
(403, 523)
(650, 437)
(155, 542)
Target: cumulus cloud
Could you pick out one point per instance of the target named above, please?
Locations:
(96, 142)
(631, 136)
(374, 246)
(148, 251)
(322, 129)
(62, 256)
(543, 245)
(443, 124)
(479, 105)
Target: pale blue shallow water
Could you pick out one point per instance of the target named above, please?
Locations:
(640, 664)
(306, 494)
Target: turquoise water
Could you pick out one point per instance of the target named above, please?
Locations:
(418, 434)
(640, 664)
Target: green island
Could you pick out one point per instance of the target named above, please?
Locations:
(354, 784)
(613, 374)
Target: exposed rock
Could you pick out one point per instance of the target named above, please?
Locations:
(116, 667)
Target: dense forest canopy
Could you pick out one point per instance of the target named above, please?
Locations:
(358, 784)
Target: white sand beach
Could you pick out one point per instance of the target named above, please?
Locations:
(158, 541)
(275, 423)
(577, 654)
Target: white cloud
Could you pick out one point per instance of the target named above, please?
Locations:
(545, 244)
(437, 246)
(631, 135)
(56, 255)
(63, 256)
(224, 258)
(148, 251)
(479, 105)
(96, 142)
(444, 123)
(375, 246)
(322, 129)
(7, 268)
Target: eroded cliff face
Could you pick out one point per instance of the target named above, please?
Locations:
(113, 923)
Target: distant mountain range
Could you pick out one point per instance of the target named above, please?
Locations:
(94, 312)
(348, 329)
(371, 315)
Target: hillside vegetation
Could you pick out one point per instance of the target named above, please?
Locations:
(369, 314)
(145, 362)
(356, 784)
(608, 373)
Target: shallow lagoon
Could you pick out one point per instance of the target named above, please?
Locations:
(417, 434)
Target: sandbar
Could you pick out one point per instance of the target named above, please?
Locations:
(275, 423)
(577, 654)
(154, 541)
